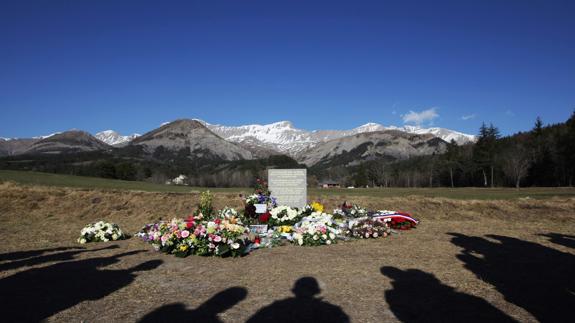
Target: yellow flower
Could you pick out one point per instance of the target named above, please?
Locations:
(316, 206)
(183, 247)
(285, 228)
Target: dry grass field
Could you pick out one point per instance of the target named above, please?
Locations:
(469, 260)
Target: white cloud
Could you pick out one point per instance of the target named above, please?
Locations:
(421, 117)
(469, 117)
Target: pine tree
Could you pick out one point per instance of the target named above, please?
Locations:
(485, 151)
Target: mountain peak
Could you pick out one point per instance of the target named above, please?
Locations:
(113, 138)
(185, 123)
(67, 141)
(192, 135)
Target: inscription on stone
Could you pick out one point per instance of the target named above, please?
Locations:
(288, 186)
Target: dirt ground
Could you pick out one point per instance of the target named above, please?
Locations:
(483, 261)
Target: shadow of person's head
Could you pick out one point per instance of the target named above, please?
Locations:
(224, 300)
(306, 287)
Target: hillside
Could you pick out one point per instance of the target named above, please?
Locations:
(73, 141)
(387, 145)
(193, 137)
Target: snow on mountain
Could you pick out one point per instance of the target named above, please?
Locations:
(282, 136)
(48, 136)
(285, 138)
(113, 138)
(37, 137)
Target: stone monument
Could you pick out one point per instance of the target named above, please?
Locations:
(288, 186)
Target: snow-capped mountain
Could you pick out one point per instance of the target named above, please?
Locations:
(285, 138)
(280, 136)
(113, 138)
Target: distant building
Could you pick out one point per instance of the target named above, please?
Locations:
(329, 184)
(180, 180)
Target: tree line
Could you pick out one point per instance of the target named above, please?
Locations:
(543, 156)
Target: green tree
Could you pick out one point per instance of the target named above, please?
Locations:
(126, 171)
(360, 177)
(485, 151)
(566, 149)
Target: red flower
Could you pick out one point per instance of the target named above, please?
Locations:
(218, 221)
(257, 240)
(190, 222)
(265, 217)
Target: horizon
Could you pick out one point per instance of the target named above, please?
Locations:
(116, 66)
(294, 126)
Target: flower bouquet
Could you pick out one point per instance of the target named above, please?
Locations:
(283, 215)
(261, 196)
(396, 220)
(205, 238)
(351, 211)
(316, 229)
(101, 232)
(369, 228)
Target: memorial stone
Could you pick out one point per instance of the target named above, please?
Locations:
(288, 186)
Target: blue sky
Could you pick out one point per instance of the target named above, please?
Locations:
(131, 65)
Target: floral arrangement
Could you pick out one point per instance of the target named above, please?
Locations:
(351, 210)
(226, 232)
(317, 207)
(369, 228)
(283, 215)
(397, 220)
(230, 214)
(261, 196)
(101, 232)
(310, 208)
(316, 229)
(205, 238)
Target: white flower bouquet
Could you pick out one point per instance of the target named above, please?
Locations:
(283, 215)
(316, 229)
(101, 232)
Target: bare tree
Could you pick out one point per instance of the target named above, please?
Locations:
(516, 162)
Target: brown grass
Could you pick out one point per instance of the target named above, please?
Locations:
(348, 273)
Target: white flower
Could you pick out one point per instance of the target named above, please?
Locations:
(235, 245)
(331, 236)
(375, 235)
(300, 241)
(315, 237)
(328, 242)
(323, 236)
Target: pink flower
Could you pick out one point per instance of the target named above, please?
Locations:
(185, 234)
(217, 238)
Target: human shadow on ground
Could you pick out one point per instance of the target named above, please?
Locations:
(17, 255)
(207, 312)
(41, 259)
(539, 279)
(418, 296)
(38, 293)
(561, 239)
(304, 307)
